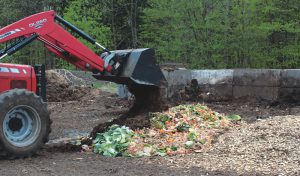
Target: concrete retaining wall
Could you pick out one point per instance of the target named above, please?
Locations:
(177, 80)
(266, 84)
(228, 84)
(220, 79)
(256, 83)
(289, 85)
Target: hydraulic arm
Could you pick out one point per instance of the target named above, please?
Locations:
(131, 67)
(42, 26)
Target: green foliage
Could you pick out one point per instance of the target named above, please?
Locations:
(62, 64)
(198, 33)
(86, 16)
(105, 86)
(224, 33)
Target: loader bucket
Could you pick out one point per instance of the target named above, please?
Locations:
(139, 69)
(144, 80)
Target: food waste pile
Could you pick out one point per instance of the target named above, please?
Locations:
(182, 129)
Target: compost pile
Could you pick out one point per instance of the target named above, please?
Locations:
(180, 130)
(60, 90)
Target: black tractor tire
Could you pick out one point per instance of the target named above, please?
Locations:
(22, 113)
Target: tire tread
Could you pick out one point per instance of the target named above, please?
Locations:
(11, 94)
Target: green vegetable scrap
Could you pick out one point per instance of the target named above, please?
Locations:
(188, 144)
(183, 127)
(234, 117)
(113, 142)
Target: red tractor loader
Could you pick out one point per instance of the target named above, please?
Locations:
(24, 118)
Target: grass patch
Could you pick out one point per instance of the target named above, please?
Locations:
(105, 86)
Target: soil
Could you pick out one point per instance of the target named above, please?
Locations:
(146, 100)
(59, 88)
(262, 145)
(79, 117)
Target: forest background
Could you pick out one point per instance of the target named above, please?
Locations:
(208, 34)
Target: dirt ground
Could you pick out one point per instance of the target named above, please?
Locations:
(262, 145)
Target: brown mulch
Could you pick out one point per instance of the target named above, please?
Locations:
(269, 146)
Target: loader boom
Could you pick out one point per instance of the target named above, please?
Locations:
(42, 26)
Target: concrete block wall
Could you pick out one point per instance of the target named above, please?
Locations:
(256, 83)
(227, 84)
(289, 89)
(176, 80)
(220, 79)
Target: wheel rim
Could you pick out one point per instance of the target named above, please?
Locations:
(21, 126)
